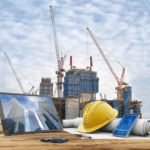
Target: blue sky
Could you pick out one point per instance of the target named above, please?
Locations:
(121, 26)
(30, 103)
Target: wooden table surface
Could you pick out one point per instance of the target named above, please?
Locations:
(32, 142)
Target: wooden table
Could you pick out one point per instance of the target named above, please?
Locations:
(32, 142)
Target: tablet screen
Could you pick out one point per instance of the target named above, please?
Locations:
(28, 113)
(125, 125)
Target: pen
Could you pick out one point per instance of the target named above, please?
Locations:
(81, 135)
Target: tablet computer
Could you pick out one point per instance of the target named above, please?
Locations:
(22, 113)
(125, 125)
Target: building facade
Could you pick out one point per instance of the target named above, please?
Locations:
(42, 119)
(49, 114)
(46, 87)
(14, 117)
(80, 81)
(34, 124)
(80, 86)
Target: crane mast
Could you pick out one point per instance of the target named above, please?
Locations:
(20, 84)
(59, 60)
(62, 64)
(120, 82)
(60, 71)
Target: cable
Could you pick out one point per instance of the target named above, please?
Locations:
(111, 54)
(87, 48)
(23, 75)
(4, 76)
(49, 61)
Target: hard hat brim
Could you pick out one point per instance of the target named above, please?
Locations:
(81, 127)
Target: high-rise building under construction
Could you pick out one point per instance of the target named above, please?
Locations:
(80, 85)
(46, 87)
(80, 81)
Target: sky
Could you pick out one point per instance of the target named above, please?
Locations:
(28, 102)
(121, 27)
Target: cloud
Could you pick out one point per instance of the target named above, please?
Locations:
(122, 26)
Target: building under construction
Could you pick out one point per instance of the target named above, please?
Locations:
(46, 87)
(80, 88)
(127, 106)
(80, 85)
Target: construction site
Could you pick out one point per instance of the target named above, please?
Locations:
(76, 88)
(81, 85)
(85, 75)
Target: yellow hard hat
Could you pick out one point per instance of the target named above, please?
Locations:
(96, 115)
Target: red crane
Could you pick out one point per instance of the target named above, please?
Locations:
(120, 82)
(91, 63)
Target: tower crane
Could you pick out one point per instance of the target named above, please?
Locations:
(61, 71)
(120, 82)
(59, 60)
(18, 80)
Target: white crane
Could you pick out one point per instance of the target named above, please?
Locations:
(18, 80)
(59, 60)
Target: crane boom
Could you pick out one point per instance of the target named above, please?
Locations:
(20, 84)
(31, 90)
(122, 76)
(120, 82)
(103, 55)
(55, 37)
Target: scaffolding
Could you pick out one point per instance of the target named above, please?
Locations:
(135, 105)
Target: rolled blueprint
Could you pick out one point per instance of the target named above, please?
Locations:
(72, 122)
(77, 121)
(110, 127)
(68, 123)
(141, 127)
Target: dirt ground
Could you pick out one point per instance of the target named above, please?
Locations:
(32, 142)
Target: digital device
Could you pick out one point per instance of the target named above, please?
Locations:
(125, 125)
(55, 140)
(21, 113)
